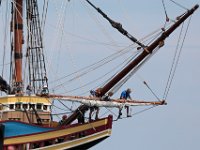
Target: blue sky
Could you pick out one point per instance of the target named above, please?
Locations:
(174, 126)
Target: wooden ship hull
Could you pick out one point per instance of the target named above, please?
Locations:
(20, 134)
(77, 137)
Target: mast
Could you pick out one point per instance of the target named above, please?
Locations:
(147, 51)
(18, 41)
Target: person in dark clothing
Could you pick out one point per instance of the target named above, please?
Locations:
(28, 90)
(93, 93)
(125, 95)
(92, 109)
(81, 117)
(45, 90)
(61, 122)
(107, 96)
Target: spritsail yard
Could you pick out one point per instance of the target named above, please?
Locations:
(28, 100)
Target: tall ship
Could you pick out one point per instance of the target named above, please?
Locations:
(36, 109)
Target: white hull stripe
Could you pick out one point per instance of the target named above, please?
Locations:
(78, 142)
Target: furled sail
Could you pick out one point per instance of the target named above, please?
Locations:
(98, 102)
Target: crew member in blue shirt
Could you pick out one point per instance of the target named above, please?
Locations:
(125, 95)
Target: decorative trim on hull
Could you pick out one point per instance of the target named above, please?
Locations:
(85, 142)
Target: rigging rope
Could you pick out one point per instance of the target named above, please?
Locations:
(139, 112)
(44, 15)
(93, 40)
(56, 44)
(173, 64)
(175, 60)
(96, 65)
(179, 5)
(145, 83)
(93, 81)
(5, 39)
(101, 27)
(115, 55)
(165, 10)
(108, 110)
